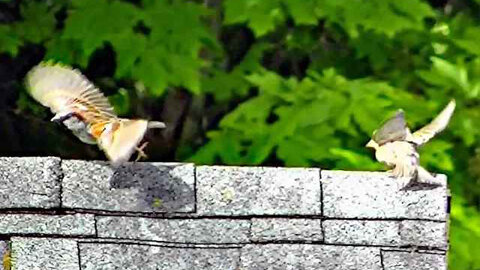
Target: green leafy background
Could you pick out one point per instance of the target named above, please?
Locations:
(261, 82)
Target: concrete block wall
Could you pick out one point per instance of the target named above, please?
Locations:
(72, 214)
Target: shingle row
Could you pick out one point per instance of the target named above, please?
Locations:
(71, 254)
(69, 214)
(212, 190)
(224, 231)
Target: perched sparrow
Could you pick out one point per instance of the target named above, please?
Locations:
(83, 109)
(396, 146)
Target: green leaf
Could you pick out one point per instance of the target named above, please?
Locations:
(150, 43)
(225, 85)
(303, 12)
(262, 16)
(9, 40)
(435, 154)
(120, 102)
(289, 113)
(129, 47)
(226, 146)
(395, 17)
(37, 26)
(151, 72)
(65, 51)
(470, 40)
(39, 21)
(350, 159)
(117, 18)
(176, 54)
(464, 235)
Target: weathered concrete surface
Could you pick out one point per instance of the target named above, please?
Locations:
(377, 195)
(44, 254)
(405, 260)
(78, 224)
(386, 233)
(175, 230)
(286, 229)
(135, 187)
(309, 257)
(258, 191)
(126, 256)
(29, 182)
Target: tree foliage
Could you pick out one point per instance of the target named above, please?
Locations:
(275, 82)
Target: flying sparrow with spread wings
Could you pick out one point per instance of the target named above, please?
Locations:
(396, 146)
(83, 109)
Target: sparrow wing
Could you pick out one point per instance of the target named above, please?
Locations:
(438, 124)
(122, 141)
(394, 129)
(64, 89)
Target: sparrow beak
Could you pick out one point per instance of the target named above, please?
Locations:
(372, 144)
(59, 118)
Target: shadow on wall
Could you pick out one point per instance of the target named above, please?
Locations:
(419, 184)
(160, 188)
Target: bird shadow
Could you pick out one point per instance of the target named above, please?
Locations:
(415, 185)
(159, 187)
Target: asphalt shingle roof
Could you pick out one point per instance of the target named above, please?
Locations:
(72, 215)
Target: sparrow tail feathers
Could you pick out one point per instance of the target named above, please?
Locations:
(156, 124)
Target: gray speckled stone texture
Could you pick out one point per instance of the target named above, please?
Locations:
(309, 257)
(258, 191)
(379, 195)
(285, 229)
(44, 254)
(133, 187)
(361, 232)
(98, 256)
(29, 182)
(386, 233)
(405, 260)
(424, 233)
(175, 230)
(78, 224)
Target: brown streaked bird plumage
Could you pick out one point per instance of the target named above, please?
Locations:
(396, 146)
(82, 107)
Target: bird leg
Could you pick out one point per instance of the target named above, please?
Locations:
(141, 153)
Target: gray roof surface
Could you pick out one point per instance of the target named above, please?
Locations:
(71, 214)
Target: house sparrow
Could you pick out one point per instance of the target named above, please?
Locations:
(83, 109)
(396, 146)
